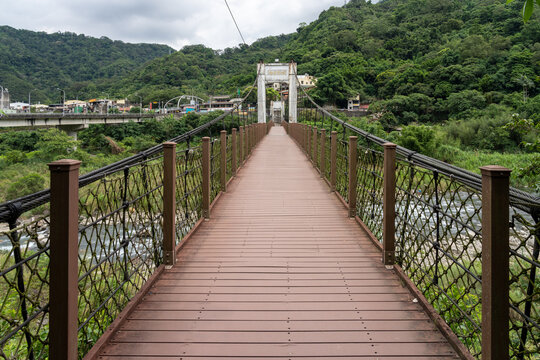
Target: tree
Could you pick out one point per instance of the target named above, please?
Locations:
(528, 7)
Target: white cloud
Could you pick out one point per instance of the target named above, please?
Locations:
(176, 23)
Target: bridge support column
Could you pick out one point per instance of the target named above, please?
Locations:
(72, 130)
(353, 180)
(495, 262)
(205, 165)
(169, 203)
(223, 162)
(63, 291)
(333, 160)
(261, 94)
(234, 162)
(389, 203)
(293, 100)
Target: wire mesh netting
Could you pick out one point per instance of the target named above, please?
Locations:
(438, 245)
(215, 168)
(342, 169)
(524, 283)
(24, 256)
(188, 190)
(120, 234)
(328, 158)
(439, 234)
(369, 190)
(229, 158)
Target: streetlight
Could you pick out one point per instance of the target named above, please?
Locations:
(63, 102)
(140, 105)
(2, 97)
(29, 103)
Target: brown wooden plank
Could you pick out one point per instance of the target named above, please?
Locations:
(272, 337)
(277, 315)
(280, 290)
(280, 349)
(279, 306)
(283, 297)
(278, 272)
(279, 325)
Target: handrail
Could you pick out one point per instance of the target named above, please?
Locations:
(523, 200)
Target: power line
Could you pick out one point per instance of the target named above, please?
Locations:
(235, 22)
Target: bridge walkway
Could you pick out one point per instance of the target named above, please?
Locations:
(278, 272)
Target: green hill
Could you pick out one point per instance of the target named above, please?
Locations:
(36, 60)
(436, 51)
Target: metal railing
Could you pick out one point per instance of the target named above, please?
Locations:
(119, 241)
(438, 234)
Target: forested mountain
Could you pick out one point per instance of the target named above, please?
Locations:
(428, 59)
(36, 60)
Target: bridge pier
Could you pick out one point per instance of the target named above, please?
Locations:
(72, 130)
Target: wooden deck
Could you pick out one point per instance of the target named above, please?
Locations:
(278, 272)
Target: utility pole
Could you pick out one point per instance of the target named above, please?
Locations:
(64, 101)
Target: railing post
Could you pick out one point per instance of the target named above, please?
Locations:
(223, 162)
(333, 160)
(389, 203)
(205, 164)
(322, 165)
(169, 206)
(314, 147)
(353, 159)
(241, 144)
(234, 152)
(495, 262)
(308, 148)
(250, 138)
(63, 290)
(304, 137)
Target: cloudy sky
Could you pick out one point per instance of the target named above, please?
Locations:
(175, 23)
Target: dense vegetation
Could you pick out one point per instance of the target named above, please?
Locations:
(24, 154)
(41, 62)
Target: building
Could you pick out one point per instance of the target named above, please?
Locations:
(19, 107)
(75, 106)
(219, 102)
(307, 81)
(354, 104)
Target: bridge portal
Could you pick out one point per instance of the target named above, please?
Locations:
(276, 73)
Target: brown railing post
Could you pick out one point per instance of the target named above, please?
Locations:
(205, 164)
(389, 203)
(353, 159)
(63, 290)
(308, 147)
(241, 144)
(495, 262)
(248, 140)
(223, 162)
(314, 147)
(304, 137)
(322, 165)
(169, 203)
(333, 160)
(234, 152)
